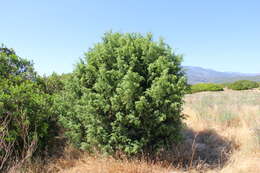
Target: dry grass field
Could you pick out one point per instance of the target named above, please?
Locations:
(235, 117)
(222, 134)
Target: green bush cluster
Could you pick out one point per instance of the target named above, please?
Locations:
(206, 87)
(25, 109)
(243, 85)
(125, 95)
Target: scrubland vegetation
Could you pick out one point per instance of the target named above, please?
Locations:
(221, 135)
(124, 108)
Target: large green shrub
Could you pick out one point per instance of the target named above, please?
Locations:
(24, 110)
(206, 87)
(126, 95)
(243, 85)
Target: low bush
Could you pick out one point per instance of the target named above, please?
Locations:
(206, 87)
(243, 85)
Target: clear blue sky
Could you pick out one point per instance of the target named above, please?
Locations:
(222, 34)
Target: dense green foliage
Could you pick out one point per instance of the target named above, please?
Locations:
(206, 87)
(25, 109)
(53, 84)
(12, 66)
(126, 95)
(6, 50)
(243, 85)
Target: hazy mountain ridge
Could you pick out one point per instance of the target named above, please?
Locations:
(203, 75)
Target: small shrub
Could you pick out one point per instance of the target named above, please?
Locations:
(206, 87)
(243, 85)
(126, 95)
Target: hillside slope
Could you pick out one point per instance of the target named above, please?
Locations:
(203, 75)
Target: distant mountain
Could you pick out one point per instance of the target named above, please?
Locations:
(203, 75)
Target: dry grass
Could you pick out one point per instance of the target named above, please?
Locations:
(75, 161)
(110, 165)
(222, 135)
(234, 115)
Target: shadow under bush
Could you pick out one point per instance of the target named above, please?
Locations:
(200, 150)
